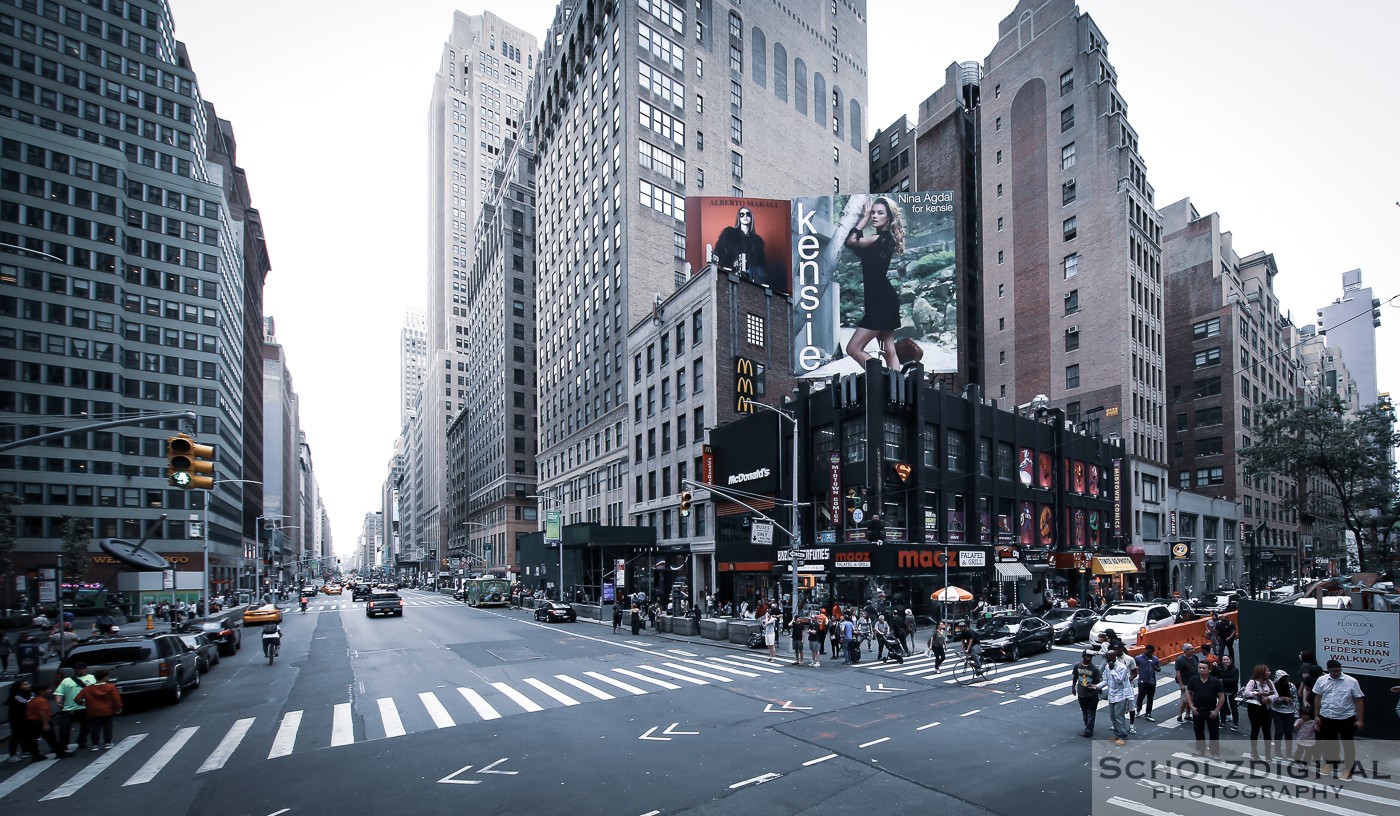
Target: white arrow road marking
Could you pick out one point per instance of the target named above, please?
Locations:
(757, 780)
(785, 708)
(671, 729)
(451, 780)
(882, 689)
(488, 768)
(648, 735)
(670, 732)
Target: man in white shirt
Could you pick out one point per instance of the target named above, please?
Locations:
(1340, 707)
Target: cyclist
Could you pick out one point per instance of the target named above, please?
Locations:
(972, 649)
(272, 640)
(302, 602)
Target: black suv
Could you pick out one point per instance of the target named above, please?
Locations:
(151, 663)
(1010, 637)
(359, 593)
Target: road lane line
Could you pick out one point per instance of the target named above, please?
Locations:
(925, 727)
(970, 713)
(227, 745)
(654, 681)
(483, 708)
(552, 692)
(286, 735)
(436, 710)
(342, 725)
(717, 677)
(167, 752)
(746, 665)
(389, 715)
(811, 762)
(582, 686)
(697, 681)
(90, 773)
(627, 687)
(874, 742)
(518, 698)
(757, 780)
(25, 774)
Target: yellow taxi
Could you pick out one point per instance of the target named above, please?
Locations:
(260, 615)
(332, 589)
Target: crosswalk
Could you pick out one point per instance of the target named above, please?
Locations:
(140, 758)
(340, 606)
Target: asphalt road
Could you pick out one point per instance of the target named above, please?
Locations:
(456, 708)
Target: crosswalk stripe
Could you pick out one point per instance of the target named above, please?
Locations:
(645, 679)
(389, 715)
(747, 665)
(697, 681)
(1137, 807)
(167, 752)
(1001, 678)
(518, 698)
(582, 686)
(685, 668)
(754, 659)
(483, 708)
(286, 735)
(1041, 692)
(22, 776)
(436, 710)
(90, 773)
(711, 665)
(552, 692)
(1065, 700)
(627, 687)
(227, 745)
(342, 725)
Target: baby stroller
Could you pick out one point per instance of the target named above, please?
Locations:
(893, 648)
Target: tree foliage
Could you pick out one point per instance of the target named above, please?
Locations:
(77, 536)
(1348, 453)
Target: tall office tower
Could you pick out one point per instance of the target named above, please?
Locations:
(478, 103)
(282, 480)
(123, 283)
(635, 106)
(413, 359)
(1229, 349)
(499, 475)
(1072, 243)
(1350, 323)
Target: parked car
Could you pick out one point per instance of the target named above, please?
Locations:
(1010, 637)
(1126, 618)
(206, 651)
(141, 664)
(555, 612)
(1221, 602)
(1071, 625)
(459, 594)
(227, 634)
(384, 603)
(258, 615)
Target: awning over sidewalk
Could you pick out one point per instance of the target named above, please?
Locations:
(1113, 565)
(1012, 571)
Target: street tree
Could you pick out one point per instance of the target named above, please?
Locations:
(77, 536)
(1348, 453)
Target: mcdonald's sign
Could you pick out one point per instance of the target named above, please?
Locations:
(748, 383)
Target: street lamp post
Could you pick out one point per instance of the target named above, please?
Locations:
(208, 499)
(552, 502)
(795, 545)
(257, 554)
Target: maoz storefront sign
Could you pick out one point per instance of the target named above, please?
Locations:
(1363, 642)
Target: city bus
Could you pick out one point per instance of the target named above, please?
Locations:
(487, 591)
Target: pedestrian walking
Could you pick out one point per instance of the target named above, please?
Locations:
(1284, 708)
(883, 634)
(636, 619)
(799, 638)
(21, 692)
(1117, 686)
(6, 649)
(770, 634)
(1230, 679)
(1308, 674)
(1148, 665)
(938, 646)
(1206, 696)
(816, 636)
(850, 642)
(617, 616)
(911, 627)
(1341, 711)
(1257, 693)
(73, 711)
(1084, 684)
(1185, 668)
(38, 720)
(1305, 731)
(104, 702)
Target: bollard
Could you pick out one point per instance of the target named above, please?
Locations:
(150, 622)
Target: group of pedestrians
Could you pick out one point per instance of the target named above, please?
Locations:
(41, 715)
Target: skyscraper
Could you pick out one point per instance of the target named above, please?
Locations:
(1350, 324)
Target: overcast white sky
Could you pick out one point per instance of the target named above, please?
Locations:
(1281, 115)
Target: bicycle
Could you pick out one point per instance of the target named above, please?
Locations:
(974, 668)
(271, 648)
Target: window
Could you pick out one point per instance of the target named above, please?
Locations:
(736, 26)
(998, 123)
(1072, 338)
(1071, 227)
(1183, 421)
(1071, 265)
(699, 103)
(1212, 446)
(736, 164)
(956, 450)
(1072, 376)
(754, 329)
(998, 157)
(736, 59)
(1066, 119)
(1072, 302)
(1068, 193)
(1001, 223)
(736, 130)
(1067, 156)
(1205, 328)
(1001, 256)
(697, 380)
(1210, 476)
(1209, 417)
(853, 443)
(736, 94)
(1211, 387)
(1208, 357)
(1066, 82)
(998, 190)
(697, 328)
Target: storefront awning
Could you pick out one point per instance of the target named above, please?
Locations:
(1113, 565)
(1012, 571)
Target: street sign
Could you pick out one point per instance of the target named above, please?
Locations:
(1266, 555)
(762, 533)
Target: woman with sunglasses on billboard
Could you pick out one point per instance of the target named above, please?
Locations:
(740, 249)
(875, 252)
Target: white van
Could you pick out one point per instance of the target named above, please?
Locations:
(1328, 602)
(1125, 619)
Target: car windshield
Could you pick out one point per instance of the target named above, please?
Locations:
(1001, 626)
(1120, 614)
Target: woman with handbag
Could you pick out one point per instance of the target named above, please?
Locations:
(1284, 707)
(1257, 694)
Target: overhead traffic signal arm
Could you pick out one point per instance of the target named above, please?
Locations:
(191, 464)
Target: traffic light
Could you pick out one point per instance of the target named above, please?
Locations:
(852, 507)
(806, 582)
(685, 502)
(191, 464)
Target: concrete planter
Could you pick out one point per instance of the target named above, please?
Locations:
(663, 623)
(714, 628)
(739, 630)
(684, 626)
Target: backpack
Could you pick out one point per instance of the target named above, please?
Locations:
(270, 629)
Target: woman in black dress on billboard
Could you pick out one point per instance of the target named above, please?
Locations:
(881, 316)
